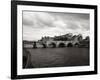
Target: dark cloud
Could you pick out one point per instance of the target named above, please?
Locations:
(27, 19)
(27, 22)
(73, 16)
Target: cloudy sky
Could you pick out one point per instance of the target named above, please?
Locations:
(39, 24)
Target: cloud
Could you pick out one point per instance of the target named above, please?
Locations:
(72, 20)
(38, 24)
(45, 18)
(38, 19)
(59, 23)
(27, 19)
(72, 26)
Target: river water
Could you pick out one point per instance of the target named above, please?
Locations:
(59, 57)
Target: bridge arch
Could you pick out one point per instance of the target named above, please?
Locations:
(62, 44)
(69, 45)
(44, 45)
(52, 45)
(76, 44)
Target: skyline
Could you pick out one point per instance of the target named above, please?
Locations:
(40, 24)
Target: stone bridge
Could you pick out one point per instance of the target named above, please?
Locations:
(48, 44)
(61, 43)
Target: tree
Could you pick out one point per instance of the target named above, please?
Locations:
(61, 45)
(70, 45)
(52, 45)
(87, 38)
(34, 45)
(80, 37)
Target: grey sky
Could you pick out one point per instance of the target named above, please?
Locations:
(38, 24)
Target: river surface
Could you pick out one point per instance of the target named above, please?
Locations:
(58, 57)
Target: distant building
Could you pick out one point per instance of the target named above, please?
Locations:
(46, 38)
